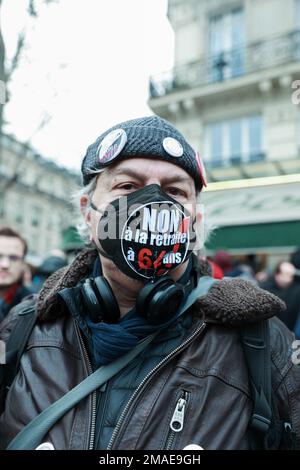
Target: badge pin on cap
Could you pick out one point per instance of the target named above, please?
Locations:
(111, 146)
(172, 147)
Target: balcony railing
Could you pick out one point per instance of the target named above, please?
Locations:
(228, 65)
(235, 160)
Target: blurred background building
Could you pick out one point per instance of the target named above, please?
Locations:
(35, 199)
(232, 93)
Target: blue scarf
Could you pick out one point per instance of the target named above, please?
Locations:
(110, 341)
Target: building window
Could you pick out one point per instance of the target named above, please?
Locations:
(234, 141)
(297, 13)
(34, 245)
(36, 216)
(19, 218)
(255, 136)
(296, 35)
(7, 141)
(226, 41)
(216, 141)
(49, 222)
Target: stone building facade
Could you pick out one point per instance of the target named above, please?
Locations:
(234, 93)
(35, 196)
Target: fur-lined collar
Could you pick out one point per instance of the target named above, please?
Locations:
(49, 305)
(231, 301)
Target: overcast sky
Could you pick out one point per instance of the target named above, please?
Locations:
(86, 67)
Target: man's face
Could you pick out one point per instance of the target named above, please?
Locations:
(135, 173)
(132, 174)
(11, 260)
(286, 275)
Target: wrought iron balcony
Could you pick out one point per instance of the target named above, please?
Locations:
(235, 160)
(261, 55)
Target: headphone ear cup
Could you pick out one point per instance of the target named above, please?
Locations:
(108, 302)
(91, 301)
(157, 301)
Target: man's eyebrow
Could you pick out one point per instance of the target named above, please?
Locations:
(135, 174)
(125, 171)
(177, 179)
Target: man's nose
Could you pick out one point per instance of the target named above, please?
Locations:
(4, 262)
(153, 180)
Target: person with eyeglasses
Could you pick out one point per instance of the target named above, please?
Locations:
(13, 249)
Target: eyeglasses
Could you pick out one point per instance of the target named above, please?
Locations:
(11, 258)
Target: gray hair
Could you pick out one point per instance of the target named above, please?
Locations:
(81, 225)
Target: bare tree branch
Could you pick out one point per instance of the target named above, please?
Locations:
(45, 119)
(17, 55)
(32, 9)
(2, 57)
(7, 72)
(2, 74)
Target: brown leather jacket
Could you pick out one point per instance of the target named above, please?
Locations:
(208, 370)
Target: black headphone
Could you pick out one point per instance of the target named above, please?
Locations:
(156, 301)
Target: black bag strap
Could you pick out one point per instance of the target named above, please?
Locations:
(31, 435)
(17, 342)
(256, 344)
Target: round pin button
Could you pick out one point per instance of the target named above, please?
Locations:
(111, 146)
(193, 447)
(172, 147)
(45, 446)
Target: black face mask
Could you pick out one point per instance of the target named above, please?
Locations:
(146, 234)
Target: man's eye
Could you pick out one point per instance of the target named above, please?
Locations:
(176, 192)
(127, 186)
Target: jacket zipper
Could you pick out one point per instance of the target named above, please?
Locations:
(177, 420)
(94, 395)
(101, 405)
(141, 385)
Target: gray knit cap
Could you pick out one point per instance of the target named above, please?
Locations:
(150, 137)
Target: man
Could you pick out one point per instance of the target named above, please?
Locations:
(283, 284)
(49, 265)
(13, 249)
(190, 385)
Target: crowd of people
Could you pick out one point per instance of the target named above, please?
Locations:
(19, 279)
(283, 281)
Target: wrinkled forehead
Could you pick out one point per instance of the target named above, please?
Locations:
(147, 169)
(145, 137)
